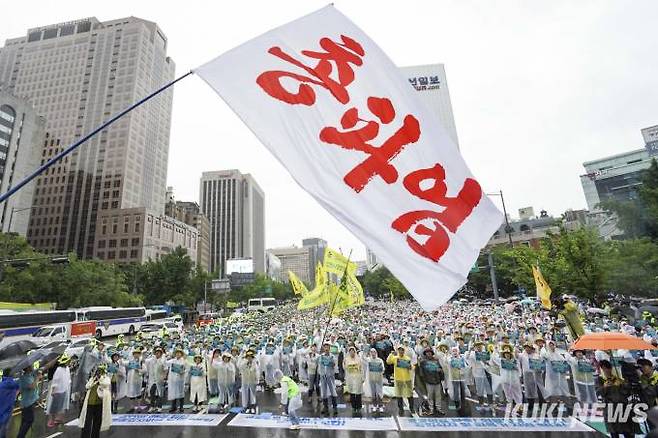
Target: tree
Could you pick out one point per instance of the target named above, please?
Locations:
(633, 267)
(168, 279)
(380, 283)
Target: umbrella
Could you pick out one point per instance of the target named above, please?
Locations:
(610, 341)
(29, 360)
(17, 348)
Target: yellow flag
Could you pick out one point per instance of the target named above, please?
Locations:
(297, 286)
(543, 289)
(335, 263)
(313, 299)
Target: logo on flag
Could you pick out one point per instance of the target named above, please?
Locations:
(348, 126)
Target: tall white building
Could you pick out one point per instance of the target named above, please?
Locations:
(432, 86)
(296, 260)
(235, 206)
(21, 137)
(77, 75)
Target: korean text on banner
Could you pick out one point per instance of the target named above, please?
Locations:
(339, 115)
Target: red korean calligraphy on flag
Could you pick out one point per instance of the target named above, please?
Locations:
(343, 120)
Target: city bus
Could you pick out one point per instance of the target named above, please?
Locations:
(15, 326)
(112, 321)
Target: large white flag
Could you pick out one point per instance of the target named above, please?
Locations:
(339, 115)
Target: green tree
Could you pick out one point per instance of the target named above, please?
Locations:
(633, 267)
(380, 283)
(168, 279)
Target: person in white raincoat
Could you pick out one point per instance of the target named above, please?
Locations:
(198, 391)
(213, 362)
(532, 369)
(269, 363)
(300, 359)
(557, 371)
(375, 378)
(116, 370)
(582, 371)
(176, 381)
(156, 366)
(225, 380)
(249, 369)
(96, 413)
(134, 372)
(478, 361)
(59, 392)
(354, 377)
(510, 376)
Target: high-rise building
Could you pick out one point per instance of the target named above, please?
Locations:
(650, 136)
(76, 75)
(235, 206)
(371, 259)
(432, 86)
(190, 213)
(22, 133)
(295, 259)
(316, 249)
(616, 177)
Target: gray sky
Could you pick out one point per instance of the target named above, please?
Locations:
(537, 88)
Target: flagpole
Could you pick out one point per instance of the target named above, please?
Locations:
(333, 304)
(75, 145)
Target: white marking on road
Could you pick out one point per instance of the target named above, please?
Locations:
(54, 435)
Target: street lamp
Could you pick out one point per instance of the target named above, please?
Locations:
(508, 227)
(11, 215)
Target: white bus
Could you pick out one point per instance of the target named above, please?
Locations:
(15, 326)
(261, 304)
(112, 321)
(156, 315)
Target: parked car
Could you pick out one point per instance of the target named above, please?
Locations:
(155, 328)
(76, 347)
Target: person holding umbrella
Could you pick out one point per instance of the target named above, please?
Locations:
(29, 387)
(8, 392)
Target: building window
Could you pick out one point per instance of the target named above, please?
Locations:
(111, 255)
(101, 244)
(135, 241)
(101, 255)
(124, 243)
(136, 227)
(134, 254)
(112, 243)
(123, 254)
(125, 227)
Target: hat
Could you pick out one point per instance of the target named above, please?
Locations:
(643, 361)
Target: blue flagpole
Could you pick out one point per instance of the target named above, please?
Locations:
(75, 145)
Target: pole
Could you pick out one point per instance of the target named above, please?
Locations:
(75, 145)
(492, 272)
(333, 304)
(11, 217)
(205, 295)
(507, 226)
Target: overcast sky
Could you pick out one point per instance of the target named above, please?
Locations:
(537, 88)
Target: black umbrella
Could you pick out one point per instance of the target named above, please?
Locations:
(17, 348)
(29, 360)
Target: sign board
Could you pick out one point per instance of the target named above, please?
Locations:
(220, 286)
(243, 266)
(652, 147)
(162, 420)
(270, 421)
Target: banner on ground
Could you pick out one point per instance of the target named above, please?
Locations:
(492, 424)
(206, 420)
(345, 122)
(543, 289)
(297, 286)
(270, 421)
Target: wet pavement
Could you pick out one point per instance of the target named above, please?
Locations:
(268, 403)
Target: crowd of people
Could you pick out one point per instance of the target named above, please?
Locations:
(462, 357)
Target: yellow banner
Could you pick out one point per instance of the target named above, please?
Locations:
(297, 286)
(335, 262)
(313, 299)
(232, 305)
(543, 289)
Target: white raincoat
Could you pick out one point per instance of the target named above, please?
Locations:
(135, 370)
(60, 387)
(176, 379)
(105, 394)
(198, 390)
